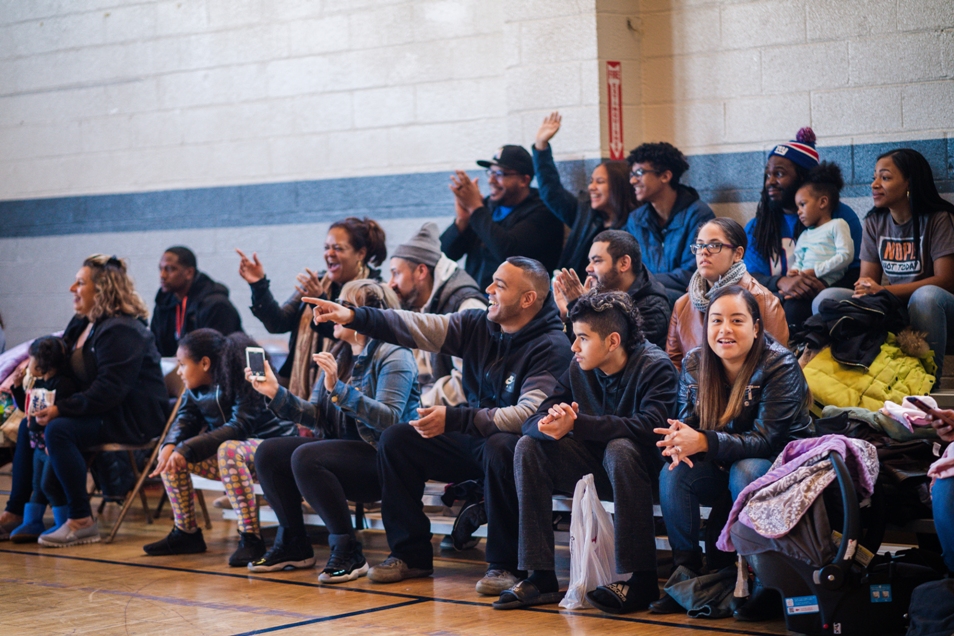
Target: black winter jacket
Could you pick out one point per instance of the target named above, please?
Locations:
(206, 409)
(126, 387)
(856, 327)
(651, 300)
(775, 410)
(529, 230)
(505, 376)
(628, 404)
(207, 306)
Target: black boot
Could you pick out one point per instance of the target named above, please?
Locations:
(251, 547)
(763, 605)
(692, 561)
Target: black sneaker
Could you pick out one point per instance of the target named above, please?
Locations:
(177, 542)
(296, 554)
(468, 521)
(251, 547)
(344, 565)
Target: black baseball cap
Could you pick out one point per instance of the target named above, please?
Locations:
(513, 157)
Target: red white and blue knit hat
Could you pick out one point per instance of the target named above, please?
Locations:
(801, 150)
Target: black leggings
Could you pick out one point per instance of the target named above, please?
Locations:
(328, 473)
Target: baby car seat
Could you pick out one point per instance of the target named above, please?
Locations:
(829, 585)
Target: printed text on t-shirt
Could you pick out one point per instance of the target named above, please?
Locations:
(897, 256)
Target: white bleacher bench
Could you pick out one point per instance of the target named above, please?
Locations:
(440, 524)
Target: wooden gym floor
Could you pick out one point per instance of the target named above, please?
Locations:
(116, 589)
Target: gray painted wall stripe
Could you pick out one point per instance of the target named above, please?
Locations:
(720, 178)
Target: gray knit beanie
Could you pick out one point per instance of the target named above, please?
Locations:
(423, 247)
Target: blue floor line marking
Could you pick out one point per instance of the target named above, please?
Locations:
(326, 619)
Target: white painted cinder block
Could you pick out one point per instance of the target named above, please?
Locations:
(460, 100)
(770, 117)
(928, 106)
(763, 23)
(560, 39)
(804, 67)
(857, 110)
(837, 19)
(925, 14)
(319, 35)
(379, 107)
(913, 57)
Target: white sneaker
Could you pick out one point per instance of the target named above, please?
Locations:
(66, 536)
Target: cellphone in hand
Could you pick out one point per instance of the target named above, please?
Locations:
(255, 357)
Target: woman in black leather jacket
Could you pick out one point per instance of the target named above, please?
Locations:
(220, 423)
(742, 398)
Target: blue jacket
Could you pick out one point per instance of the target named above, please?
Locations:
(382, 391)
(763, 271)
(666, 249)
(575, 212)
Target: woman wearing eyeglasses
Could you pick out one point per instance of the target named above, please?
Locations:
(368, 387)
(719, 249)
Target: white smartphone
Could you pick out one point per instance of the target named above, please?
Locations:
(255, 356)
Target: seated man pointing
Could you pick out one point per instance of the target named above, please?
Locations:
(512, 355)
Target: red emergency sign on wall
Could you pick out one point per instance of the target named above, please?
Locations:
(614, 88)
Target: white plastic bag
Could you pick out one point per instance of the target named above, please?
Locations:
(592, 545)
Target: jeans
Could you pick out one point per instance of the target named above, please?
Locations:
(620, 473)
(406, 461)
(46, 487)
(682, 489)
(66, 439)
(328, 473)
(942, 495)
(930, 309)
(22, 471)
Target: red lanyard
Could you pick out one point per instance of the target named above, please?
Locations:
(180, 316)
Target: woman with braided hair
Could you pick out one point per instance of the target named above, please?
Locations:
(599, 420)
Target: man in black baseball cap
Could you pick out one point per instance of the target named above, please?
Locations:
(511, 221)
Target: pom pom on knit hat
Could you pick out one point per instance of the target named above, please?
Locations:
(800, 150)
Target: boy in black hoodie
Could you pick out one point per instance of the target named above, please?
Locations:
(599, 420)
(512, 355)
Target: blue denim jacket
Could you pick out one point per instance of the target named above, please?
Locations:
(665, 249)
(382, 391)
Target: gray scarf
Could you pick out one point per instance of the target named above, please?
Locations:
(700, 290)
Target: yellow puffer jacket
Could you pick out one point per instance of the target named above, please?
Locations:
(892, 376)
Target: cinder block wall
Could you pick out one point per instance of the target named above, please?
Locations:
(126, 127)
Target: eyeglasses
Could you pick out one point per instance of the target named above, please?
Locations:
(639, 172)
(500, 174)
(712, 248)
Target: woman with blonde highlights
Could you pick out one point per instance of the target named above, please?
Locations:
(122, 395)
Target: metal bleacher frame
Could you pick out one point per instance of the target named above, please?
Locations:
(440, 524)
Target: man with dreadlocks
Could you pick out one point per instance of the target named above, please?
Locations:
(598, 420)
(775, 228)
